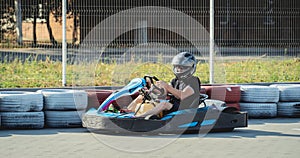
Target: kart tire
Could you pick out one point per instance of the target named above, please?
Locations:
(260, 110)
(259, 94)
(63, 99)
(26, 120)
(288, 109)
(19, 101)
(288, 92)
(61, 119)
(226, 93)
(235, 105)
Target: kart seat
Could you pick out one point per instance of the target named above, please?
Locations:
(199, 101)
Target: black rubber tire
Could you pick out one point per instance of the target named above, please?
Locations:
(260, 110)
(58, 119)
(235, 105)
(288, 109)
(27, 120)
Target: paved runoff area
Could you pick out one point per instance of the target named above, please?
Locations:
(263, 138)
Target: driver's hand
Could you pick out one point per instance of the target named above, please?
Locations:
(148, 83)
(161, 84)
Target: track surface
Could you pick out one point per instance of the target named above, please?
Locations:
(276, 138)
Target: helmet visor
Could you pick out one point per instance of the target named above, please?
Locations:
(180, 69)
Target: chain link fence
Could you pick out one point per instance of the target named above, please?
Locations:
(123, 31)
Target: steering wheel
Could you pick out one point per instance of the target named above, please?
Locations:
(154, 91)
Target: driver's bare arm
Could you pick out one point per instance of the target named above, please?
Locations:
(186, 92)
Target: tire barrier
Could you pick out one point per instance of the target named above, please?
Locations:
(259, 94)
(260, 110)
(288, 109)
(259, 101)
(28, 120)
(230, 94)
(289, 100)
(20, 109)
(288, 92)
(64, 99)
(63, 107)
(18, 101)
(62, 119)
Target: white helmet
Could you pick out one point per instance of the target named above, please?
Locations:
(184, 65)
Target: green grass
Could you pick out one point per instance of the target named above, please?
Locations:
(41, 74)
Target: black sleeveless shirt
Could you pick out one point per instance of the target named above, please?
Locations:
(191, 101)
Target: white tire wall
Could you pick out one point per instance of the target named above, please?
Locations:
(288, 109)
(29, 120)
(259, 94)
(64, 99)
(288, 92)
(18, 101)
(61, 119)
(260, 110)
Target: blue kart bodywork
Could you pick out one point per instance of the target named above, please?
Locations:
(208, 118)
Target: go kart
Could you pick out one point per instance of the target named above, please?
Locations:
(205, 118)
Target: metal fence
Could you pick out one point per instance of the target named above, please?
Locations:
(123, 31)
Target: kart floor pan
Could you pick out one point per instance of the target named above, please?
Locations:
(202, 119)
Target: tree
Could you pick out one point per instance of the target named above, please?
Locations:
(32, 9)
(7, 24)
(72, 12)
(48, 5)
(48, 8)
(18, 14)
(55, 7)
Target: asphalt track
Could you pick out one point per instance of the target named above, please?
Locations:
(263, 138)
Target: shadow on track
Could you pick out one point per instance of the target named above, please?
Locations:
(44, 131)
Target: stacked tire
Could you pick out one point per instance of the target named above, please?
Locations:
(289, 100)
(64, 107)
(20, 109)
(259, 101)
(230, 94)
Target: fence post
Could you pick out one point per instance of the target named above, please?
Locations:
(64, 43)
(142, 35)
(18, 14)
(211, 42)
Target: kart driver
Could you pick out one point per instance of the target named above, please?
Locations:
(184, 88)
